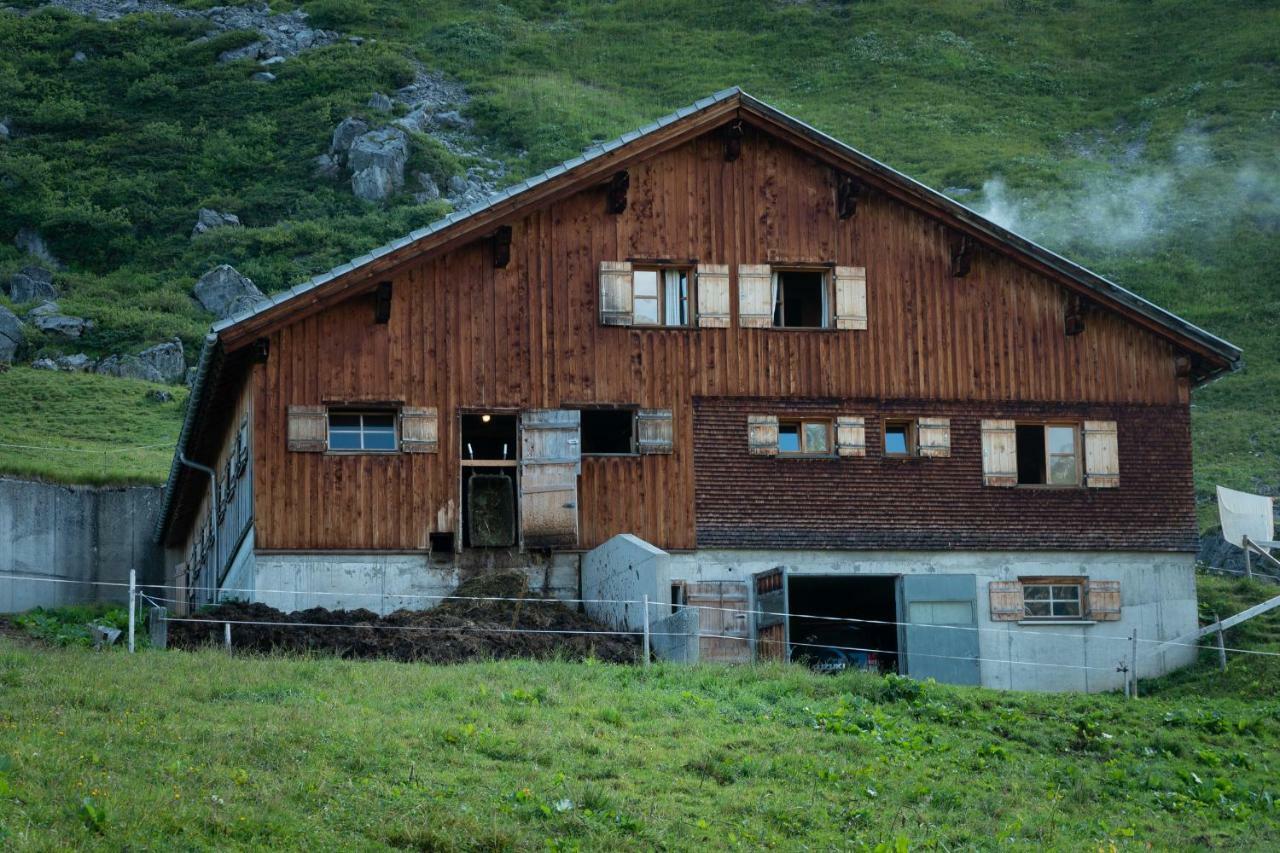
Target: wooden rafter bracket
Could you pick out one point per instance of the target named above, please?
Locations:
(501, 247)
(961, 255)
(382, 303)
(1073, 314)
(848, 191)
(732, 134)
(616, 194)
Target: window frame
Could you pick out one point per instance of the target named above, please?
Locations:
(800, 423)
(1052, 583)
(912, 435)
(362, 413)
(1077, 441)
(689, 299)
(778, 314)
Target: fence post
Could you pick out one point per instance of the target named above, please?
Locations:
(133, 603)
(1133, 655)
(1222, 645)
(646, 630)
(1248, 559)
(226, 635)
(159, 627)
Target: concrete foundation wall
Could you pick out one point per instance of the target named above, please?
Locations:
(74, 533)
(380, 582)
(621, 572)
(1157, 590)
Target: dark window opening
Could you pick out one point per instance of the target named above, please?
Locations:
(441, 543)
(678, 597)
(1030, 454)
(362, 430)
(899, 438)
(800, 299)
(830, 645)
(608, 432)
(489, 436)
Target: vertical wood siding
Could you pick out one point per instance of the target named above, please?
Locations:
(465, 335)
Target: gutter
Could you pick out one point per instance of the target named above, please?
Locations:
(194, 405)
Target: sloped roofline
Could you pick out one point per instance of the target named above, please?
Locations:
(720, 105)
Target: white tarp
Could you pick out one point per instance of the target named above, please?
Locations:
(1243, 514)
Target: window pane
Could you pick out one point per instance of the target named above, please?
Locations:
(344, 440)
(1037, 608)
(1035, 592)
(1062, 471)
(1066, 608)
(788, 438)
(1068, 593)
(676, 287)
(646, 282)
(816, 438)
(1062, 439)
(380, 421)
(342, 419)
(646, 310)
(380, 438)
(895, 439)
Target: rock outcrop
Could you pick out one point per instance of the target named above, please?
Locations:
(167, 360)
(31, 284)
(208, 220)
(128, 367)
(48, 317)
(32, 242)
(223, 291)
(376, 160)
(12, 335)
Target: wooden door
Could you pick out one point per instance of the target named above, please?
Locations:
(550, 453)
(940, 621)
(769, 612)
(722, 620)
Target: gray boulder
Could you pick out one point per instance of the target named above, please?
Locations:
(263, 77)
(128, 367)
(44, 364)
(167, 359)
(78, 363)
(345, 134)
(452, 119)
(377, 161)
(249, 51)
(457, 185)
(379, 101)
(223, 292)
(1219, 553)
(208, 219)
(190, 378)
(48, 317)
(12, 336)
(327, 166)
(158, 396)
(430, 191)
(30, 241)
(273, 60)
(4, 128)
(79, 57)
(30, 284)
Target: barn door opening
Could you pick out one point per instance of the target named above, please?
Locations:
(847, 621)
(550, 453)
(723, 635)
(769, 611)
(940, 619)
(489, 504)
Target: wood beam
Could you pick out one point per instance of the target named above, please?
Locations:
(961, 255)
(501, 247)
(616, 195)
(382, 302)
(732, 134)
(847, 192)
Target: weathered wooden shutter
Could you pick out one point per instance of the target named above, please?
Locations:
(851, 436)
(654, 431)
(419, 429)
(616, 292)
(762, 435)
(713, 295)
(755, 296)
(309, 428)
(1101, 455)
(1006, 600)
(933, 436)
(550, 452)
(999, 453)
(851, 297)
(1102, 600)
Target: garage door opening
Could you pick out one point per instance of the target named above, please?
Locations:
(828, 644)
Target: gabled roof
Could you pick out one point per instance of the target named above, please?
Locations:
(1213, 354)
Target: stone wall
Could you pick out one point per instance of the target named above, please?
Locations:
(73, 533)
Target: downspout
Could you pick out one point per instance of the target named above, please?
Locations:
(213, 517)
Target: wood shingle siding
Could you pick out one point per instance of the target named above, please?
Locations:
(466, 335)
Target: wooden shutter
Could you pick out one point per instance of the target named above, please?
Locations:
(755, 296)
(654, 432)
(1006, 601)
(933, 436)
(712, 287)
(616, 293)
(550, 452)
(309, 428)
(851, 436)
(999, 453)
(1101, 455)
(419, 430)
(851, 297)
(762, 435)
(1102, 600)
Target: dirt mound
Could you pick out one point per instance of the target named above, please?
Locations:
(457, 630)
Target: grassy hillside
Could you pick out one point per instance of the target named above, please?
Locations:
(1138, 138)
(108, 751)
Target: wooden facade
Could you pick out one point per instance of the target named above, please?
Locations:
(468, 335)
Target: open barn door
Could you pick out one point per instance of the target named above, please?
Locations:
(550, 453)
(722, 620)
(939, 632)
(769, 606)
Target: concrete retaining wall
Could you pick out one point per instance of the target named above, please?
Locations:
(73, 533)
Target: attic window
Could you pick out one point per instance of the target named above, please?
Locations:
(804, 438)
(661, 297)
(608, 432)
(1048, 455)
(899, 438)
(357, 431)
(800, 299)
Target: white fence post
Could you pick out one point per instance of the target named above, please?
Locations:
(646, 630)
(1134, 663)
(133, 603)
(226, 635)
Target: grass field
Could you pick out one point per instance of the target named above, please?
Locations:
(168, 750)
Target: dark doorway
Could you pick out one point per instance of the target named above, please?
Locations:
(488, 436)
(869, 640)
(489, 493)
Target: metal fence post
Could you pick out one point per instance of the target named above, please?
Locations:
(133, 603)
(226, 635)
(1134, 657)
(646, 630)
(1222, 645)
